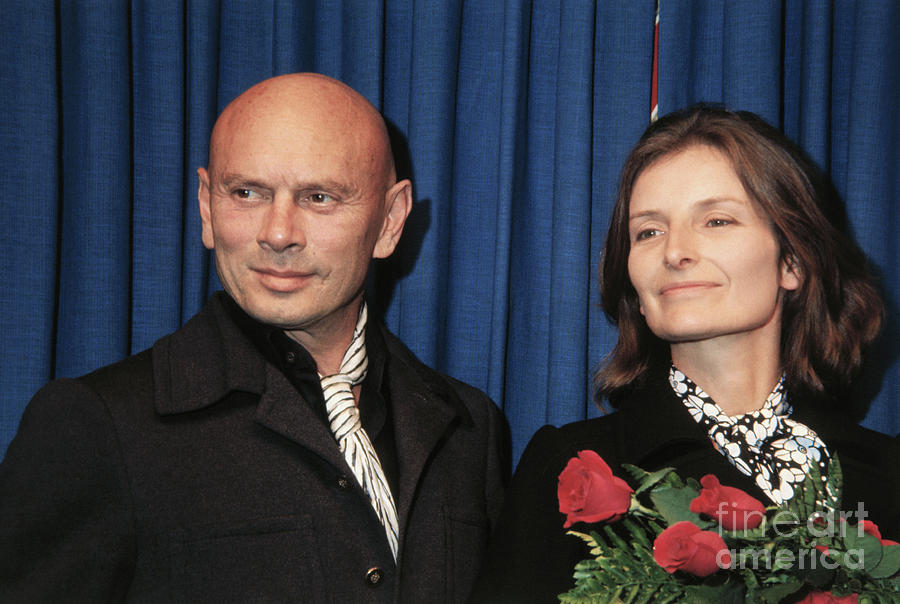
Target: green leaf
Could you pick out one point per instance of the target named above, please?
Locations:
(623, 569)
(889, 564)
(726, 593)
(835, 484)
(646, 480)
(637, 532)
(776, 593)
(615, 540)
(675, 505)
(862, 551)
(759, 534)
(814, 572)
(813, 495)
(589, 539)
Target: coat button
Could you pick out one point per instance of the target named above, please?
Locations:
(343, 483)
(291, 357)
(374, 577)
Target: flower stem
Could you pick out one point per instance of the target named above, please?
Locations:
(640, 510)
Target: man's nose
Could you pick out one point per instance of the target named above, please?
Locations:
(281, 227)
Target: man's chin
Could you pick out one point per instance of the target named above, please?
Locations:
(283, 313)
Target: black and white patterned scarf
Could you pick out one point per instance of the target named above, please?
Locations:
(766, 445)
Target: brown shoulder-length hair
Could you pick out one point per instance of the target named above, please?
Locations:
(826, 323)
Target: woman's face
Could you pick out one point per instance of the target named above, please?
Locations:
(704, 260)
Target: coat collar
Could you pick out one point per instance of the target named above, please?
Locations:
(205, 360)
(654, 421)
(210, 358)
(655, 430)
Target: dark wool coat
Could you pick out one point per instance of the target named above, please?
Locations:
(531, 559)
(192, 472)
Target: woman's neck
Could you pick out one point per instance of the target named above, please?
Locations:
(738, 374)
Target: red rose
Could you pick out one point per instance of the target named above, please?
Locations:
(734, 509)
(826, 597)
(588, 491)
(870, 528)
(683, 546)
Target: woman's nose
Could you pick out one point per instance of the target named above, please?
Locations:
(680, 247)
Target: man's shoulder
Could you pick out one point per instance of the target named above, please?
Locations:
(410, 380)
(403, 362)
(133, 376)
(197, 331)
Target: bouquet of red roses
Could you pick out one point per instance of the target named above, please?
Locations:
(668, 540)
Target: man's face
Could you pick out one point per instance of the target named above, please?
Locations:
(294, 207)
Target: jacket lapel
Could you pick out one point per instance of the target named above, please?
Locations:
(208, 358)
(423, 411)
(282, 410)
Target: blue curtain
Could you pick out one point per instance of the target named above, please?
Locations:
(513, 119)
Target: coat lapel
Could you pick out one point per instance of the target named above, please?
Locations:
(282, 410)
(208, 358)
(423, 411)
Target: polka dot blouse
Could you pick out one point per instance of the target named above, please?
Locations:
(766, 445)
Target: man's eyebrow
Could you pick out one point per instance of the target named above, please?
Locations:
(326, 186)
(231, 179)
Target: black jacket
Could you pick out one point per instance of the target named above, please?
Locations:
(192, 472)
(531, 559)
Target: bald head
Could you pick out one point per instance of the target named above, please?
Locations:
(299, 196)
(314, 105)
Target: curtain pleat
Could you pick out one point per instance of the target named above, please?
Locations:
(95, 142)
(158, 168)
(512, 118)
(29, 156)
(864, 136)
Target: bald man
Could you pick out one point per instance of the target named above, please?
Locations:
(282, 446)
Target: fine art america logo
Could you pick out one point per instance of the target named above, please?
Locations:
(786, 523)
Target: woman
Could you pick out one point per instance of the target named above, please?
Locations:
(742, 312)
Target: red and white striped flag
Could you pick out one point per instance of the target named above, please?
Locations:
(654, 103)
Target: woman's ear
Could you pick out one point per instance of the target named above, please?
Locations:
(791, 276)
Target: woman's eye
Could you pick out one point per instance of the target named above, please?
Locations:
(717, 222)
(646, 234)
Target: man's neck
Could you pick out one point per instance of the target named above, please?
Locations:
(328, 339)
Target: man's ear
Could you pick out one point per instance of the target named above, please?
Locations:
(397, 205)
(203, 200)
(791, 277)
